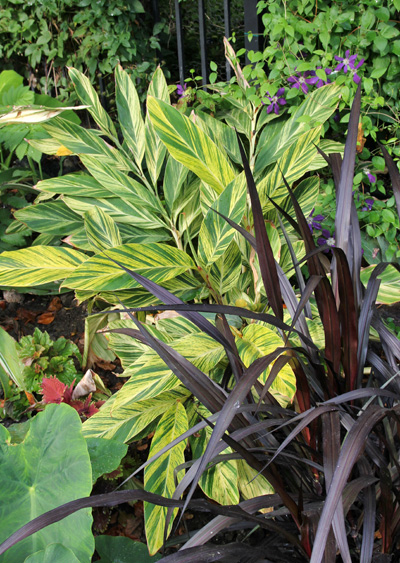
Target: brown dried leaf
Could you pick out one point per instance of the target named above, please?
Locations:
(46, 318)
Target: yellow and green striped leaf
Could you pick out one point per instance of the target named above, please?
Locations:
(277, 138)
(33, 114)
(389, 289)
(158, 262)
(88, 96)
(129, 114)
(155, 150)
(188, 144)
(225, 271)
(257, 341)
(159, 475)
(38, 265)
(174, 177)
(101, 230)
(125, 423)
(53, 218)
(74, 184)
(293, 164)
(215, 233)
(222, 135)
(250, 484)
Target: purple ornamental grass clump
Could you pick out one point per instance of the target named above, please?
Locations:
(276, 101)
(303, 80)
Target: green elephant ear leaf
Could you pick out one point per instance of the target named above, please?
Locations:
(105, 455)
(49, 468)
(189, 145)
(159, 475)
(53, 552)
(119, 549)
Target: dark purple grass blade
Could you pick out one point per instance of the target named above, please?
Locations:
(345, 188)
(312, 283)
(353, 445)
(364, 323)
(207, 554)
(264, 250)
(367, 544)
(250, 239)
(331, 450)
(348, 319)
(394, 176)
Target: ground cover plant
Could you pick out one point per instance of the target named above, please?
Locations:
(341, 439)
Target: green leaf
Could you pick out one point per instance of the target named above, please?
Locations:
(389, 289)
(74, 184)
(101, 230)
(215, 233)
(174, 177)
(120, 549)
(125, 423)
(154, 149)
(53, 218)
(49, 468)
(258, 341)
(189, 145)
(277, 138)
(129, 114)
(10, 364)
(159, 475)
(251, 484)
(38, 265)
(89, 98)
(105, 455)
(158, 262)
(53, 552)
(225, 271)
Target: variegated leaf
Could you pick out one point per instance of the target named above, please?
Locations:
(155, 150)
(53, 218)
(257, 341)
(158, 262)
(215, 233)
(225, 271)
(38, 265)
(278, 137)
(88, 96)
(33, 114)
(250, 484)
(293, 164)
(219, 482)
(222, 135)
(159, 475)
(174, 177)
(129, 114)
(389, 288)
(306, 194)
(73, 184)
(101, 230)
(128, 421)
(189, 145)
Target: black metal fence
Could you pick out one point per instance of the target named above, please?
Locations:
(251, 23)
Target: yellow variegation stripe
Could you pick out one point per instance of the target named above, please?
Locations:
(157, 262)
(129, 114)
(159, 475)
(189, 145)
(225, 272)
(53, 218)
(293, 164)
(37, 265)
(71, 184)
(127, 422)
(90, 99)
(33, 114)
(389, 290)
(215, 233)
(174, 177)
(257, 341)
(101, 231)
(274, 141)
(49, 146)
(251, 484)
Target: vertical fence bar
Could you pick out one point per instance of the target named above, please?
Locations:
(227, 24)
(252, 22)
(203, 47)
(179, 42)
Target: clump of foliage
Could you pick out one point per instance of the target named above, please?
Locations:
(332, 458)
(40, 39)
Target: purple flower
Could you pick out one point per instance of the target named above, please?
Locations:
(346, 62)
(275, 101)
(302, 79)
(353, 72)
(315, 222)
(322, 82)
(326, 238)
(180, 90)
(371, 177)
(368, 204)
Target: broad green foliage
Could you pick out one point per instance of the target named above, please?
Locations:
(120, 549)
(105, 455)
(53, 552)
(159, 476)
(50, 467)
(10, 364)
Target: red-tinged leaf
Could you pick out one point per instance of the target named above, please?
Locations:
(348, 319)
(52, 390)
(386, 509)
(265, 254)
(394, 176)
(344, 190)
(55, 304)
(367, 545)
(353, 444)
(331, 450)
